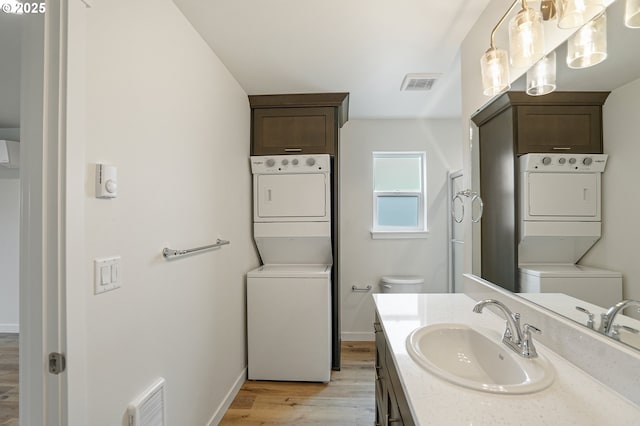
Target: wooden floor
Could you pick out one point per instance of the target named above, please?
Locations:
(8, 379)
(347, 400)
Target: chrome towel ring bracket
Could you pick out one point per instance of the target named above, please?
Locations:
(474, 197)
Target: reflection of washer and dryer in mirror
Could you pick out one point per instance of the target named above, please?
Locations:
(560, 210)
(289, 296)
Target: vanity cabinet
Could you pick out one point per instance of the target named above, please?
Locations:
(392, 407)
(297, 124)
(516, 124)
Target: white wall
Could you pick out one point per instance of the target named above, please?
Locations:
(363, 260)
(617, 249)
(9, 249)
(159, 105)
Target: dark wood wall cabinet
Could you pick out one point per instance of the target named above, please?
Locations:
(512, 125)
(392, 407)
(297, 124)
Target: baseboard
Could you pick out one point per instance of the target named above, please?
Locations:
(9, 328)
(228, 399)
(353, 336)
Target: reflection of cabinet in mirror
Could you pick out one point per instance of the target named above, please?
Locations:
(516, 124)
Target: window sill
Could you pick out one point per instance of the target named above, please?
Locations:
(398, 235)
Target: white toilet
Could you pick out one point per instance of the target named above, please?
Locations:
(402, 284)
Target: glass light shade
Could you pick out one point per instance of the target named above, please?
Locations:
(495, 71)
(541, 78)
(575, 13)
(526, 38)
(588, 46)
(632, 14)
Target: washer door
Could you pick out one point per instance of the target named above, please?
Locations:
(292, 197)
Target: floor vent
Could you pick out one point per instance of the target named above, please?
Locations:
(418, 82)
(149, 408)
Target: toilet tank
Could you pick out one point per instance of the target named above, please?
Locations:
(402, 284)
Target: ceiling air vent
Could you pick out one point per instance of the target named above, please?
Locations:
(423, 82)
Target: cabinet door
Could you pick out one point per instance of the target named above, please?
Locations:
(559, 128)
(294, 130)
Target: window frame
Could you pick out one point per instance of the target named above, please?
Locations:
(418, 231)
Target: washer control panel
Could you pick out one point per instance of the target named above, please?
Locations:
(563, 163)
(282, 164)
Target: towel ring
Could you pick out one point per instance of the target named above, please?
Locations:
(474, 198)
(453, 208)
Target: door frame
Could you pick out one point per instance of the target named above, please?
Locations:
(451, 175)
(42, 302)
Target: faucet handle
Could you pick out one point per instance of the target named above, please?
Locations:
(590, 322)
(617, 327)
(528, 348)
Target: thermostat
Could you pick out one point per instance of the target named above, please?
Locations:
(106, 181)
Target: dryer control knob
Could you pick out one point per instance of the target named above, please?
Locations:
(562, 160)
(294, 161)
(587, 161)
(546, 161)
(572, 161)
(311, 161)
(271, 162)
(285, 162)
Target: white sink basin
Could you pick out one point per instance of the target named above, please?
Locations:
(477, 360)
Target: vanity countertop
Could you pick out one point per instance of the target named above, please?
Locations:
(575, 398)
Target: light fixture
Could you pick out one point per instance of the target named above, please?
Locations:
(494, 64)
(588, 46)
(632, 14)
(526, 37)
(575, 13)
(541, 78)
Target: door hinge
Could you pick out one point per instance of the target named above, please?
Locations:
(57, 363)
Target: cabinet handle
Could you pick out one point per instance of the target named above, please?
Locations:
(561, 148)
(293, 150)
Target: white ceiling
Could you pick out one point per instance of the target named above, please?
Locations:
(364, 47)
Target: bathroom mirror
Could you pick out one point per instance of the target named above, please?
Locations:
(619, 74)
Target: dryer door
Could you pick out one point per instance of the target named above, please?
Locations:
(292, 197)
(562, 196)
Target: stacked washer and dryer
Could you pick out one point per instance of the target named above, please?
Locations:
(289, 296)
(560, 209)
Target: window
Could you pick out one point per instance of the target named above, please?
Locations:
(399, 194)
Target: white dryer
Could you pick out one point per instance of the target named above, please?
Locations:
(289, 297)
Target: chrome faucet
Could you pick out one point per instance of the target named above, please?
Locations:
(517, 340)
(606, 325)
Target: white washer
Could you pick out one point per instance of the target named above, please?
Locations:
(598, 286)
(289, 323)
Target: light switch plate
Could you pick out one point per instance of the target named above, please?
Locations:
(107, 274)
